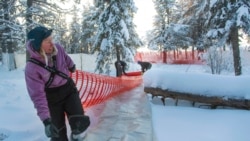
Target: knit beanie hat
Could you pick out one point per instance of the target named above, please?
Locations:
(37, 35)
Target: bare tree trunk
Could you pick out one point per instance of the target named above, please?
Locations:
(234, 36)
(117, 63)
(28, 21)
(8, 46)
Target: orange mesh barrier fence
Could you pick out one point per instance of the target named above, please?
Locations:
(149, 56)
(171, 57)
(95, 89)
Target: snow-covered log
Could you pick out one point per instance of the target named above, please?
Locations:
(214, 101)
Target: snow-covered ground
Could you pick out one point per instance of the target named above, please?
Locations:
(19, 122)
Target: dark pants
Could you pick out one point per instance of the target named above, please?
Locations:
(65, 100)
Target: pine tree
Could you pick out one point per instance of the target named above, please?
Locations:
(10, 32)
(216, 23)
(163, 18)
(226, 18)
(116, 36)
(89, 27)
(195, 16)
(47, 13)
(75, 36)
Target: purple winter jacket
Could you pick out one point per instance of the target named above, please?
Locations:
(36, 77)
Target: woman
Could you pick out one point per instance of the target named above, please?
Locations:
(53, 95)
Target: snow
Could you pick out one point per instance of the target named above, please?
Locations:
(202, 84)
(18, 120)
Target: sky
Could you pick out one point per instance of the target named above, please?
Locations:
(144, 16)
(18, 120)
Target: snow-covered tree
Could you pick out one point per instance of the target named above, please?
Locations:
(195, 17)
(75, 35)
(10, 32)
(224, 21)
(116, 36)
(219, 22)
(42, 13)
(164, 10)
(177, 36)
(52, 14)
(181, 8)
(89, 25)
(47, 13)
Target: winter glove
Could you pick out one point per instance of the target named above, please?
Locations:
(50, 129)
(72, 69)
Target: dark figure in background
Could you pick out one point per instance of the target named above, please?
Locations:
(144, 66)
(120, 68)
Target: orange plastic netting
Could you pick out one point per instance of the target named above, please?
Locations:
(171, 57)
(95, 89)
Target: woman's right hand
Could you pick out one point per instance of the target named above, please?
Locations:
(50, 129)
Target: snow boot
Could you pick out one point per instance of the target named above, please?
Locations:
(78, 137)
(79, 125)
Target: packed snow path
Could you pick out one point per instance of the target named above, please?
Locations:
(126, 117)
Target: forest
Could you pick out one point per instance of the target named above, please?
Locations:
(106, 27)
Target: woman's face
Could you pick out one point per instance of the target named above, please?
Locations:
(48, 45)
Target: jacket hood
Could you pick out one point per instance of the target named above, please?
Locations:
(32, 52)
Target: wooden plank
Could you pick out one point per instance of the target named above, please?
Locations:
(214, 101)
